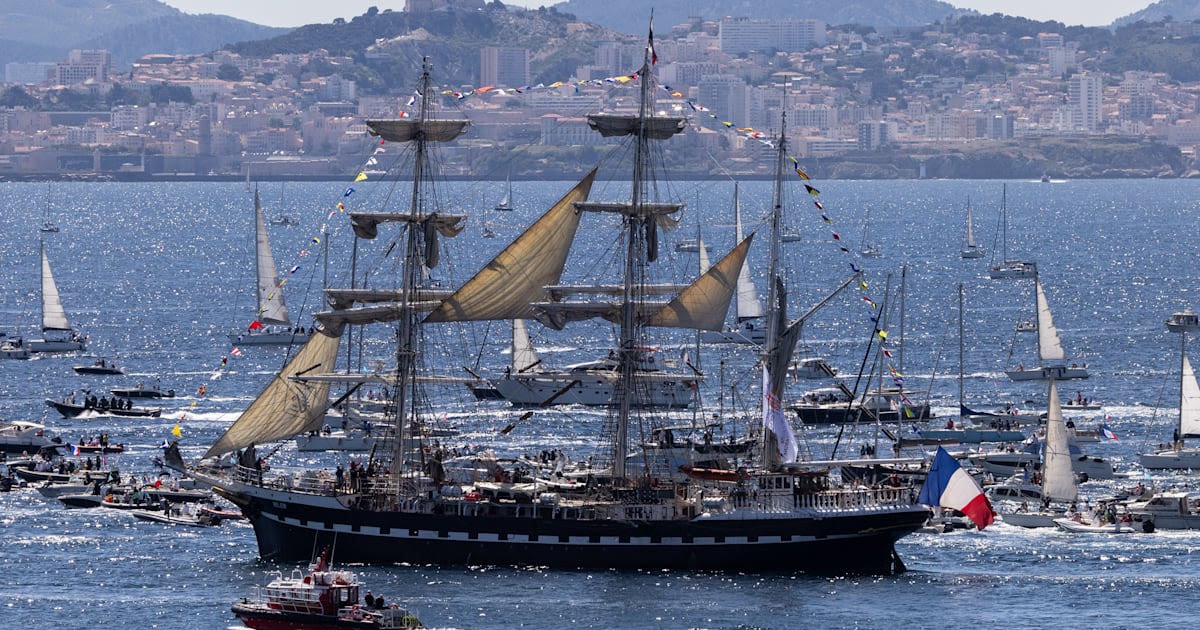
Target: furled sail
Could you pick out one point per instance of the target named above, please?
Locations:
(1058, 478)
(286, 407)
(271, 308)
(406, 130)
(1049, 345)
(653, 127)
(53, 315)
(345, 298)
(519, 274)
(366, 224)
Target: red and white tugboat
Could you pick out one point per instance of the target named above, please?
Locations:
(321, 598)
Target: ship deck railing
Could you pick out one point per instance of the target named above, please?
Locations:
(838, 500)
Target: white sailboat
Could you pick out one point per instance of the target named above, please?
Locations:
(1009, 268)
(1177, 456)
(1059, 488)
(972, 250)
(47, 224)
(58, 335)
(505, 204)
(869, 249)
(272, 326)
(1050, 349)
(749, 326)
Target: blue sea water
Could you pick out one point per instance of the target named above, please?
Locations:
(157, 274)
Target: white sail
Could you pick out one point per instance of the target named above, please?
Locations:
(271, 308)
(702, 249)
(970, 228)
(1049, 345)
(1058, 476)
(1189, 406)
(506, 202)
(523, 356)
(748, 305)
(53, 315)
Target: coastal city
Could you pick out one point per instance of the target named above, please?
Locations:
(848, 91)
(470, 316)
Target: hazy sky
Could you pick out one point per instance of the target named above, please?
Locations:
(299, 12)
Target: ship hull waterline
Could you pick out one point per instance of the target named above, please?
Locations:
(860, 542)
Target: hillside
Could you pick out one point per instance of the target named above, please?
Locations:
(129, 28)
(388, 46)
(632, 16)
(1176, 10)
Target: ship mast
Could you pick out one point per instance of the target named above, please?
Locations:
(637, 254)
(408, 329)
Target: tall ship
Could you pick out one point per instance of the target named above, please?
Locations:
(625, 512)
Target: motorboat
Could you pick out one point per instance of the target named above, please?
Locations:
(811, 368)
(19, 436)
(14, 348)
(835, 404)
(71, 409)
(1005, 463)
(185, 515)
(141, 390)
(320, 598)
(1168, 510)
(100, 367)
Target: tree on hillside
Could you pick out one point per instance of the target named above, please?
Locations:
(229, 72)
(16, 96)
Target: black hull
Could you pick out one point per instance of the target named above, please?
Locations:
(74, 411)
(840, 415)
(97, 371)
(855, 543)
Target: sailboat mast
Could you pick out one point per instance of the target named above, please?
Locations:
(961, 353)
(1004, 222)
(1182, 358)
(41, 262)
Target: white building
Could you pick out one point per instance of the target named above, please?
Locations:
(1085, 94)
(741, 35)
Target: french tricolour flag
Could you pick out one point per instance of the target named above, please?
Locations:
(948, 485)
